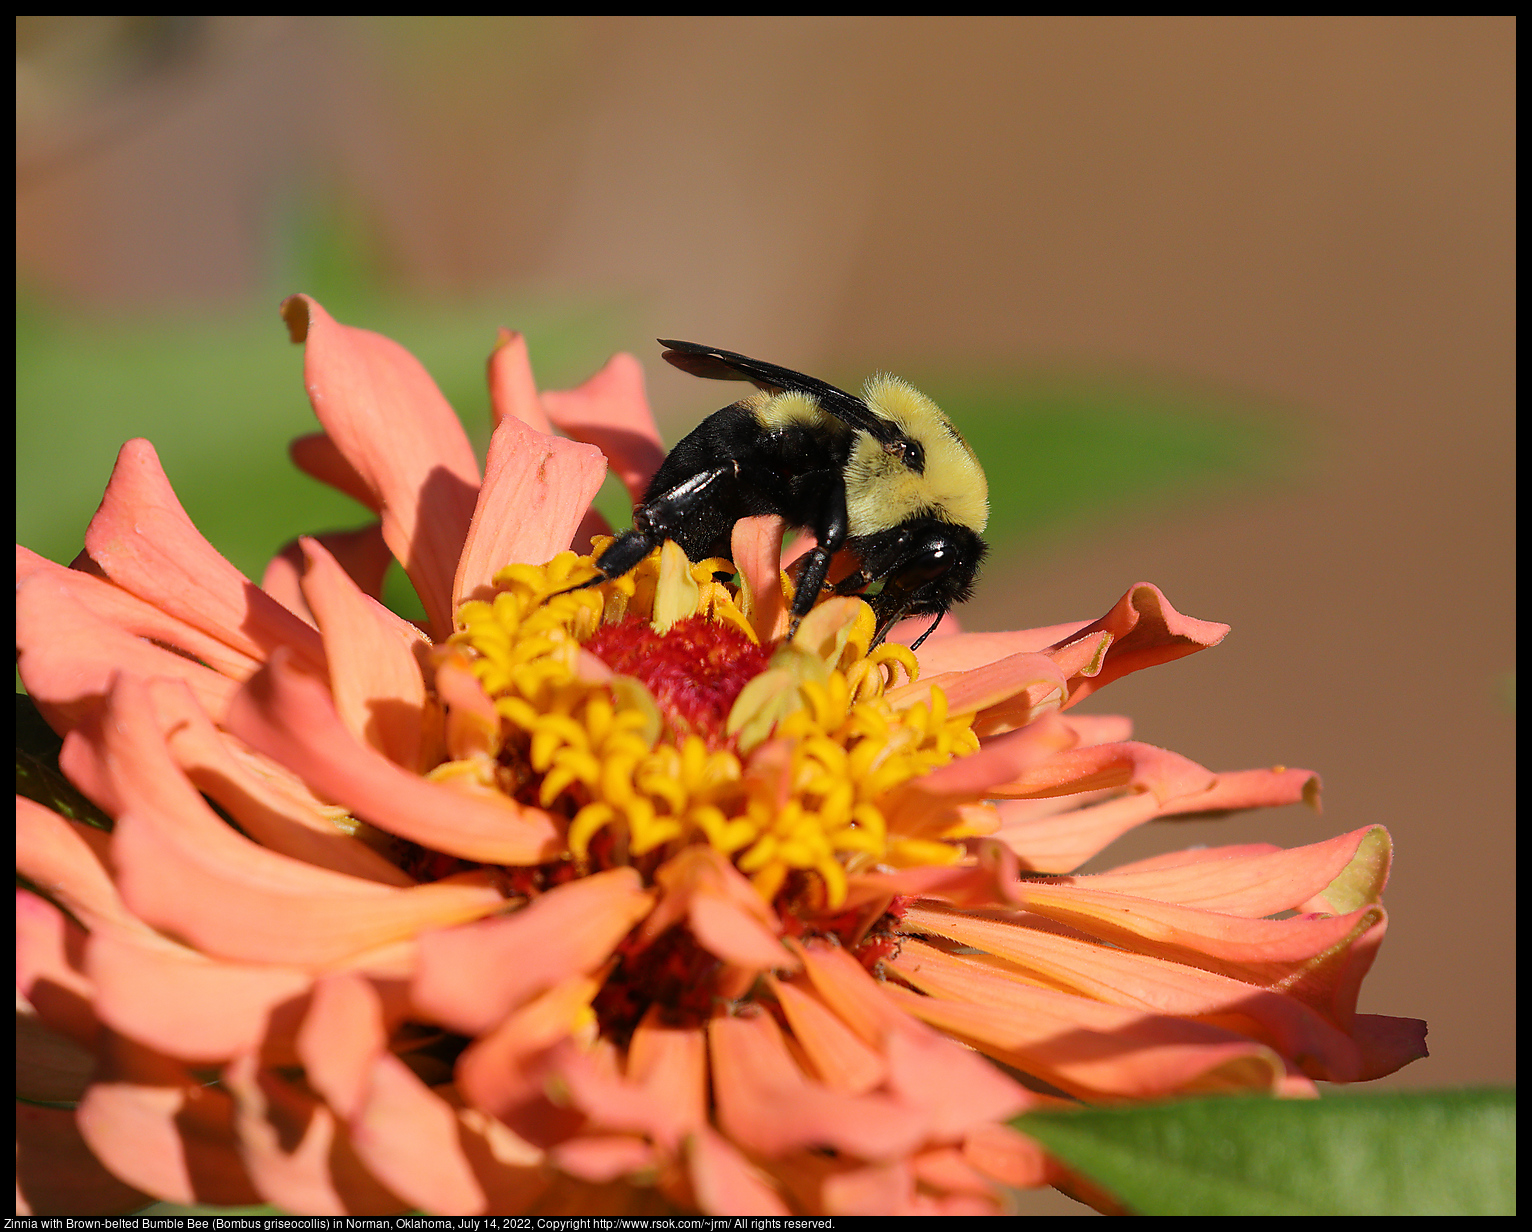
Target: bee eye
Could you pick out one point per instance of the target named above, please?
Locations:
(932, 560)
(909, 453)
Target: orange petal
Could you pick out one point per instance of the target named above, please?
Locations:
(342, 1036)
(318, 456)
(1017, 757)
(952, 1088)
(947, 1169)
(190, 1007)
(438, 1157)
(1055, 835)
(724, 1181)
(142, 540)
(1003, 695)
(473, 723)
(1387, 1044)
(1059, 833)
(767, 1105)
(160, 1129)
(387, 417)
(263, 799)
(1242, 789)
(733, 934)
(1251, 881)
(375, 678)
(1090, 1049)
(126, 612)
(969, 651)
(290, 719)
(50, 1066)
(757, 547)
(66, 860)
(1145, 631)
(507, 1072)
(298, 1155)
(67, 657)
(843, 1060)
(1363, 878)
(987, 880)
(1317, 959)
(56, 1174)
(512, 389)
(883, 1189)
(724, 911)
(536, 491)
(1081, 656)
(672, 1062)
(1073, 770)
(1093, 729)
(264, 910)
(1008, 1155)
(361, 553)
(1134, 981)
(283, 581)
(1207, 938)
(50, 975)
(831, 972)
(662, 1097)
(471, 977)
(183, 869)
(954, 1205)
(601, 1158)
(611, 411)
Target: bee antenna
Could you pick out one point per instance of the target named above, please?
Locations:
(915, 645)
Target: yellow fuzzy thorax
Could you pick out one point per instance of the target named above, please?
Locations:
(881, 492)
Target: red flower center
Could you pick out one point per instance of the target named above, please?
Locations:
(694, 671)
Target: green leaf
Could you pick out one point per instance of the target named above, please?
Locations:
(1404, 1153)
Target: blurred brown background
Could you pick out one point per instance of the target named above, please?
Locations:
(1314, 212)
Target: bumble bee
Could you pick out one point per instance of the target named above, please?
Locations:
(886, 475)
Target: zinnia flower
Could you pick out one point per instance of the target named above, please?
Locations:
(606, 899)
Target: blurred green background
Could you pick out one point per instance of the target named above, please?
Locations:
(1223, 303)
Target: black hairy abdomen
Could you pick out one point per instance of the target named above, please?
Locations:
(786, 470)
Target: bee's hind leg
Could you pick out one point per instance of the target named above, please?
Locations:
(830, 529)
(622, 554)
(657, 520)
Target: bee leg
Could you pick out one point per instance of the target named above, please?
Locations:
(830, 529)
(657, 520)
(662, 517)
(622, 554)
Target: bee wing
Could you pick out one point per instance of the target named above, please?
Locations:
(718, 365)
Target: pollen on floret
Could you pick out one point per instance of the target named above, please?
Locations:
(644, 713)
